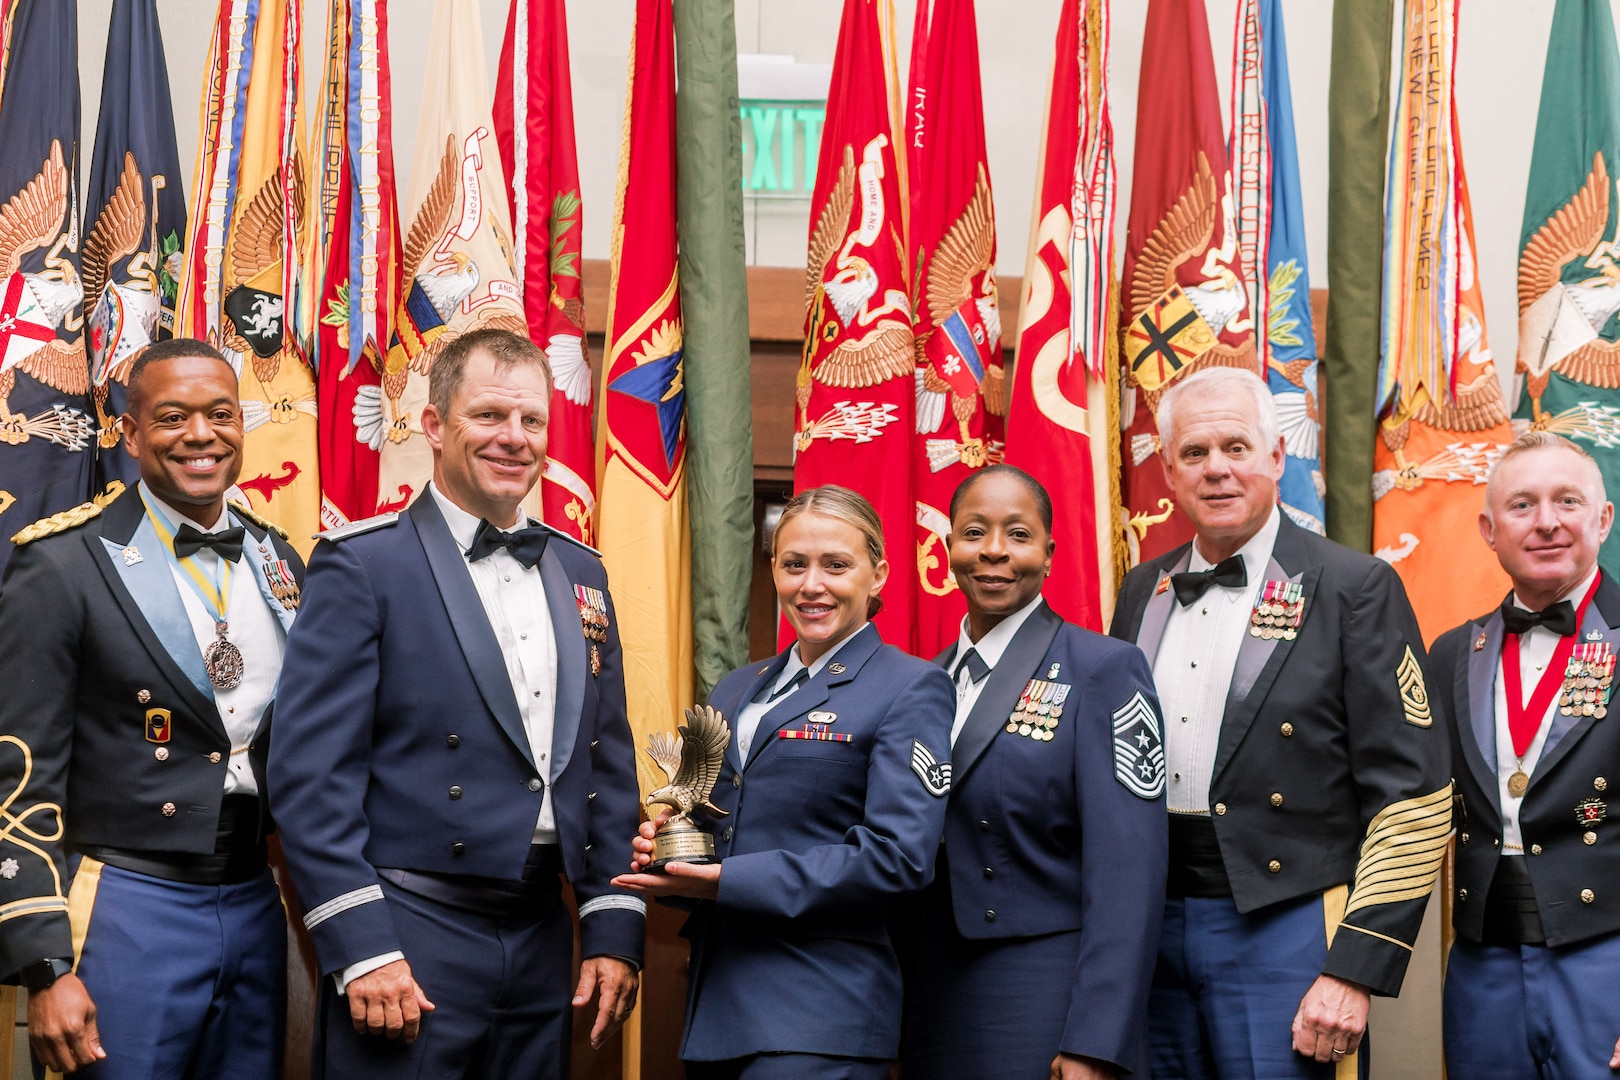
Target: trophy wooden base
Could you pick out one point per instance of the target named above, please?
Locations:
(681, 841)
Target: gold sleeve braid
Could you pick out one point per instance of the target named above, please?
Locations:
(15, 829)
(1400, 859)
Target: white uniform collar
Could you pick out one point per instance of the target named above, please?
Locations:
(795, 665)
(181, 517)
(997, 638)
(462, 525)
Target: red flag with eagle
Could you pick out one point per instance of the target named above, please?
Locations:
(358, 228)
(642, 517)
(1063, 426)
(246, 250)
(459, 271)
(1185, 302)
(47, 425)
(856, 387)
(534, 124)
(961, 393)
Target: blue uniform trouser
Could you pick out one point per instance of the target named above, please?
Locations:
(189, 981)
(788, 1067)
(1532, 1012)
(1227, 987)
(501, 990)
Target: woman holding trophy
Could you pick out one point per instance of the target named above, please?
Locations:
(827, 805)
(1033, 949)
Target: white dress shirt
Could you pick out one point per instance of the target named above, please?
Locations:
(1193, 670)
(1536, 649)
(748, 719)
(254, 630)
(990, 649)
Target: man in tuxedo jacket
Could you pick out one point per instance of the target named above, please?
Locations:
(141, 640)
(1307, 789)
(1524, 693)
(455, 744)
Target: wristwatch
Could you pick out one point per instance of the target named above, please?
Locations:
(44, 973)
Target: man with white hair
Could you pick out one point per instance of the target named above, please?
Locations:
(1308, 793)
(1524, 693)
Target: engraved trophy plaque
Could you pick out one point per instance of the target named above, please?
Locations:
(691, 761)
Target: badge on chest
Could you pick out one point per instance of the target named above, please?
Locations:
(1588, 681)
(593, 621)
(1278, 611)
(1039, 709)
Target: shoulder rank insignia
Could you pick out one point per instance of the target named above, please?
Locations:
(242, 509)
(356, 528)
(934, 773)
(62, 522)
(1278, 611)
(576, 541)
(1039, 708)
(1414, 695)
(1588, 681)
(1139, 748)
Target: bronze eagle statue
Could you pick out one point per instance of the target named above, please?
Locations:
(691, 760)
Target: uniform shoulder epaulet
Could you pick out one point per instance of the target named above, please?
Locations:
(60, 522)
(244, 510)
(576, 541)
(355, 528)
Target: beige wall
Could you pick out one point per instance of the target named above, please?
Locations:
(1499, 76)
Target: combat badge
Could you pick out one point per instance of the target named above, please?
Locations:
(1139, 748)
(158, 727)
(1039, 709)
(593, 620)
(934, 773)
(1589, 812)
(1588, 681)
(1278, 611)
(283, 586)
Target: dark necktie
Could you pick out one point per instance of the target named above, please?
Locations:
(526, 544)
(1193, 584)
(976, 667)
(228, 544)
(1559, 618)
(800, 677)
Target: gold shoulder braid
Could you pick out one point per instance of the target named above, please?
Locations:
(258, 519)
(56, 523)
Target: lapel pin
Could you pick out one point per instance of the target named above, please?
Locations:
(1052, 672)
(1164, 584)
(1479, 642)
(132, 555)
(836, 668)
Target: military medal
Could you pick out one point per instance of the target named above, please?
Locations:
(223, 660)
(1278, 611)
(1588, 681)
(1039, 709)
(593, 621)
(815, 729)
(1519, 782)
(1578, 675)
(283, 586)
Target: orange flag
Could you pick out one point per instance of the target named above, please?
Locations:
(854, 397)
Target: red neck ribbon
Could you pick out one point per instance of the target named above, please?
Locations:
(1524, 720)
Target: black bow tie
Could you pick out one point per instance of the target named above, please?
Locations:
(1559, 618)
(188, 541)
(1193, 584)
(526, 544)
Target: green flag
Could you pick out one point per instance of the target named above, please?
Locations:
(714, 299)
(1569, 334)
(1358, 140)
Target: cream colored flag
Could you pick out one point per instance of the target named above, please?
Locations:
(458, 264)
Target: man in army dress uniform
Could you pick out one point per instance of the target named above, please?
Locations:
(1307, 789)
(1524, 692)
(140, 649)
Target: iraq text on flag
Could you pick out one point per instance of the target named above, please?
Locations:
(47, 425)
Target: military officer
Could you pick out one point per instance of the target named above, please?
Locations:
(1524, 692)
(454, 744)
(1036, 942)
(1307, 789)
(140, 647)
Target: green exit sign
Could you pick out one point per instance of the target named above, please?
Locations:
(781, 140)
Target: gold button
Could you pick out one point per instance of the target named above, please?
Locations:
(168, 809)
(161, 753)
(1535, 849)
(1274, 866)
(1276, 798)
(1600, 784)
(1220, 809)
(143, 696)
(213, 759)
(1590, 838)
(1587, 896)
(1462, 894)
(1287, 729)
(1463, 838)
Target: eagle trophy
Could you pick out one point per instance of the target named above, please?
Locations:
(691, 760)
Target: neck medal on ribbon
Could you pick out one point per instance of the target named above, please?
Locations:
(1039, 708)
(1588, 678)
(221, 659)
(1278, 611)
(593, 620)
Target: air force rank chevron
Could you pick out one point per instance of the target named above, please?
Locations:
(936, 774)
(1139, 748)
